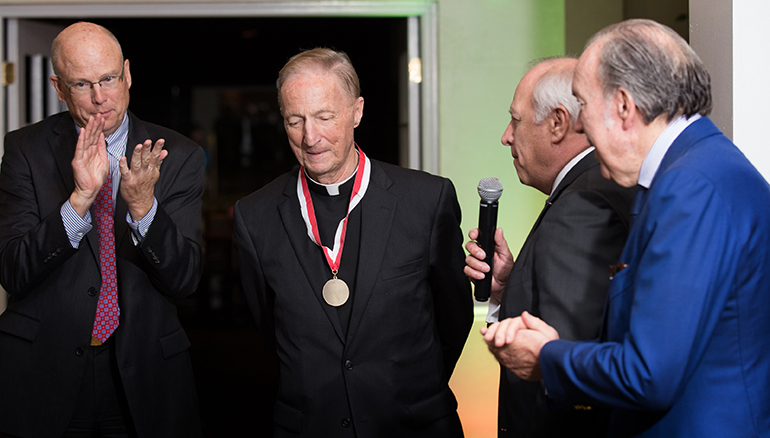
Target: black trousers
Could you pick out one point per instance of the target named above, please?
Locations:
(102, 408)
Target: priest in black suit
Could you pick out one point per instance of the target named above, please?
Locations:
(353, 270)
(561, 273)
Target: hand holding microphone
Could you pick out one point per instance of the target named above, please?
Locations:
(490, 190)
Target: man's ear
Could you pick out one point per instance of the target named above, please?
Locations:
(58, 85)
(625, 107)
(358, 111)
(560, 123)
(127, 73)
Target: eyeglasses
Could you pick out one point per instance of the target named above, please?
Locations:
(84, 87)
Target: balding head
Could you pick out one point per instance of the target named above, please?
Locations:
(321, 60)
(552, 86)
(85, 56)
(82, 36)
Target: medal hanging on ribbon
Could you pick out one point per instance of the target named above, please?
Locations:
(335, 292)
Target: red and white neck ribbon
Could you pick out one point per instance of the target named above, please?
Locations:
(334, 255)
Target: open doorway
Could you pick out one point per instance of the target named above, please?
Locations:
(213, 79)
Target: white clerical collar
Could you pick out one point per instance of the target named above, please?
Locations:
(658, 150)
(569, 167)
(308, 214)
(332, 189)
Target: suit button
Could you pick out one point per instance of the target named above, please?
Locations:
(346, 422)
(348, 365)
(91, 291)
(79, 351)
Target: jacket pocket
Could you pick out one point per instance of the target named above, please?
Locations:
(174, 343)
(433, 408)
(287, 417)
(19, 325)
(402, 270)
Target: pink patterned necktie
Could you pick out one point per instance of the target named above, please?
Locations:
(107, 310)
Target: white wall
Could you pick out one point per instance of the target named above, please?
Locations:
(731, 38)
(751, 86)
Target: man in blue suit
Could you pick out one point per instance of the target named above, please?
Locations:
(685, 345)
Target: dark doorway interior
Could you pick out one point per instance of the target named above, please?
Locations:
(190, 71)
(213, 80)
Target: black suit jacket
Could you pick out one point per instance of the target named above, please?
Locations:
(561, 276)
(54, 288)
(387, 374)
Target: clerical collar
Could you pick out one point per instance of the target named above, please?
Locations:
(336, 189)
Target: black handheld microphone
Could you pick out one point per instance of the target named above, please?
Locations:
(490, 190)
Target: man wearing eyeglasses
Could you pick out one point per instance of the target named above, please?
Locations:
(97, 243)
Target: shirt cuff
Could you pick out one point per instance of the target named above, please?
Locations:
(139, 228)
(493, 313)
(75, 226)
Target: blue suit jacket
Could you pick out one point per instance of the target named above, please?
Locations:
(685, 348)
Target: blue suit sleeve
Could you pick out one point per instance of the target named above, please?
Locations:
(662, 308)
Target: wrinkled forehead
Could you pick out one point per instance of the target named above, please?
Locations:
(319, 84)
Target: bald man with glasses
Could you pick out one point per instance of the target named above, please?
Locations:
(97, 243)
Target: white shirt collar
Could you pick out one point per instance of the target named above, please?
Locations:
(658, 150)
(569, 167)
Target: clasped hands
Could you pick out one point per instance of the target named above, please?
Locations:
(90, 167)
(516, 343)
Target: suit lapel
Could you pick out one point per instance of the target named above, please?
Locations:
(521, 301)
(694, 133)
(580, 167)
(697, 131)
(306, 251)
(62, 142)
(378, 208)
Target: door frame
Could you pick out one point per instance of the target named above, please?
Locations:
(422, 33)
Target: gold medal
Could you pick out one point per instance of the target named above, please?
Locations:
(336, 292)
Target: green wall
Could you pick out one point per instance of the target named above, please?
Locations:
(484, 47)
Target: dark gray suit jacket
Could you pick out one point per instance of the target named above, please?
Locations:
(54, 288)
(561, 276)
(387, 374)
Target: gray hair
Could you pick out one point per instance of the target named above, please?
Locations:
(552, 89)
(321, 60)
(657, 67)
